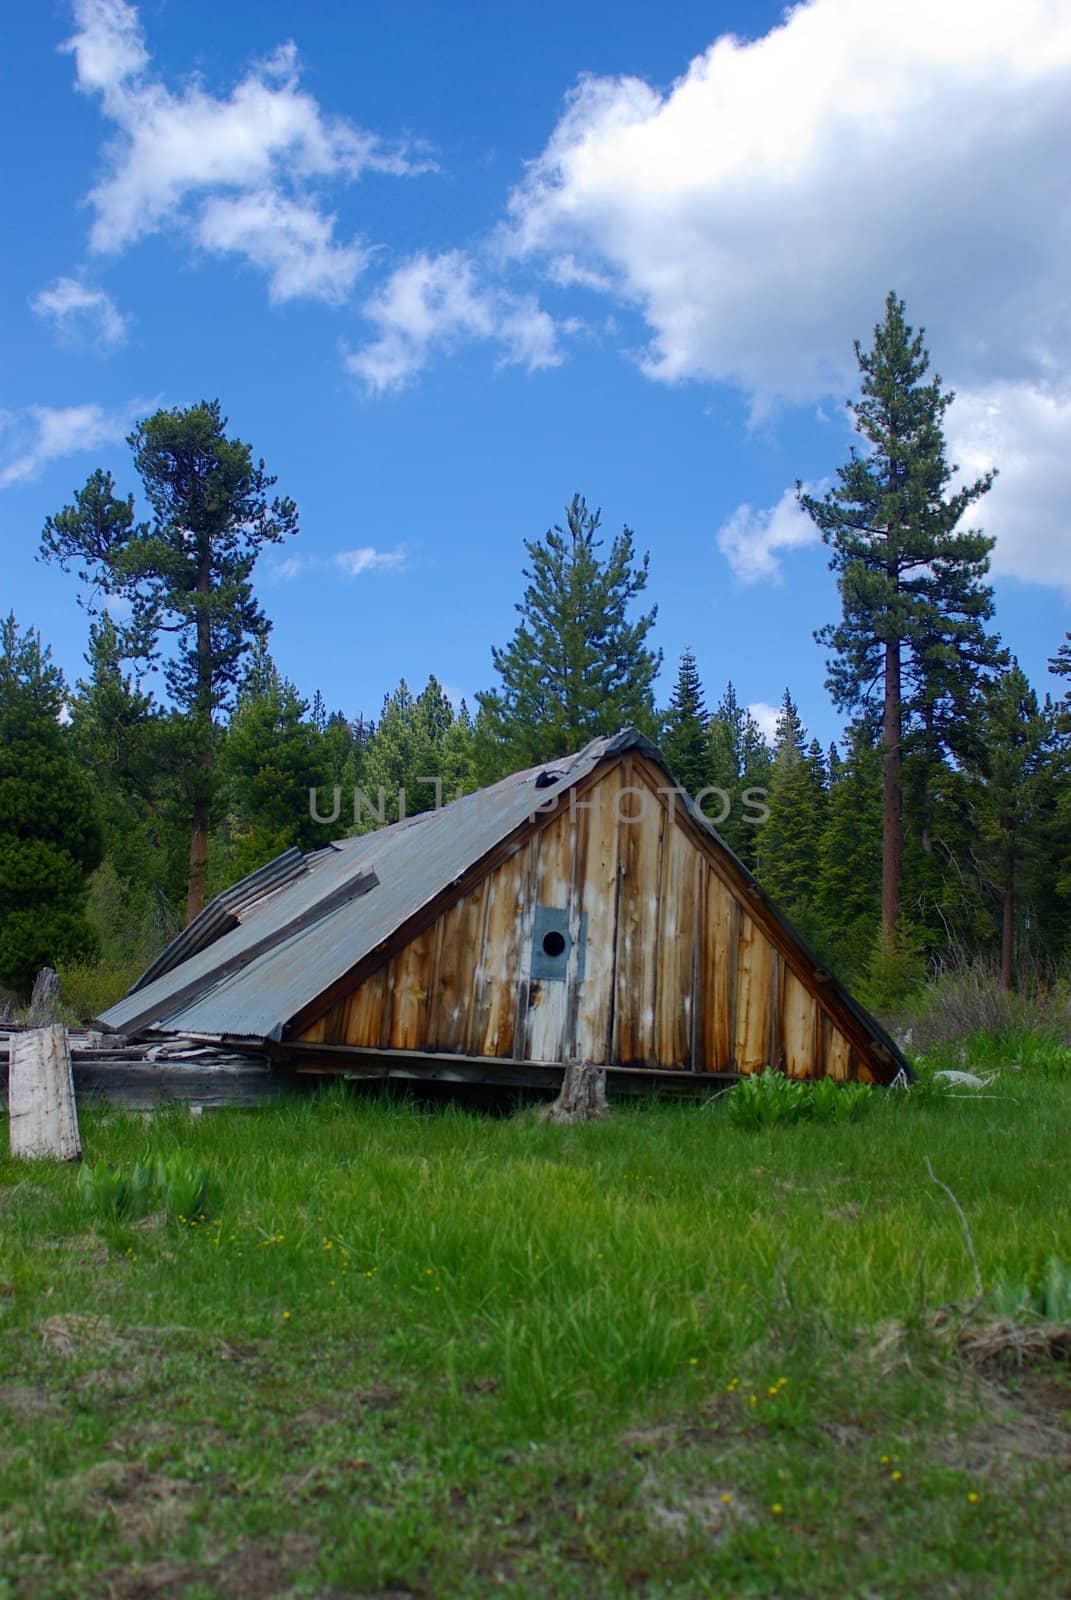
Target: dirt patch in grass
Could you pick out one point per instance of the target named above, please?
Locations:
(74, 1335)
(715, 1514)
(1020, 1427)
(87, 1249)
(25, 1401)
(256, 1570)
(145, 1506)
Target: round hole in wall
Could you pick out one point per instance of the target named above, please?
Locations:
(553, 943)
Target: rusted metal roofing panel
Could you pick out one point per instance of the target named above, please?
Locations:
(222, 913)
(298, 932)
(414, 861)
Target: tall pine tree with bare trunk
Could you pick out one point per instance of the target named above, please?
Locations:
(914, 602)
(187, 572)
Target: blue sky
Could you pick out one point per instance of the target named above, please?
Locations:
(444, 265)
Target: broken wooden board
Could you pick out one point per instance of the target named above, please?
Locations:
(43, 1118)
(110, 1071)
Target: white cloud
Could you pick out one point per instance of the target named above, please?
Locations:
(351, 563)
(291, 241)
(741, 211)
(751, 541)
(41, 434)
(79, 311)
(287, 570)
(1024, 430)
(755, 213)
(233, 170)
(346, 563)
(433, 303)
(766, 716)
(1021, 428)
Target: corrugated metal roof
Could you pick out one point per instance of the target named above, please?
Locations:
(414, 861)
(223, 913)
(297, 933)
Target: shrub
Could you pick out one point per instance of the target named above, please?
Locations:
(89, 987)
(896, 970)
(962, 1005)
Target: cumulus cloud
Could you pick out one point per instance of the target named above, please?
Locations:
(290, 241)
(752, 540)
(1024, 429)
(740, 212)
(40, 434)
(233, 170)
(433, 303)
(345, 563)
(755, 212)
(80, 313)
(766, 716)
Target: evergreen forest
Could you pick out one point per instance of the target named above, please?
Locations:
(934, 834)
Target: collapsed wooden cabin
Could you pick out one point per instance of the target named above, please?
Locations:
(583, 910)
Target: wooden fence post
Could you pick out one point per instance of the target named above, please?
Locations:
(43, 1116)
(44, 1002)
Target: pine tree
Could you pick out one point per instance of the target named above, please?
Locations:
(739, 763)
(127, 748)
(50, 834)
(186, 572)
(788, 847)
(270, 758)
(848, 895)
(578, 664)
(1058, 791)
(1015, 736)
(911, 585)
(421, 749)
(834, 762)
(685, 738)
(1060, 667)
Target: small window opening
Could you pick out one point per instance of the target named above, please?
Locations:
(553, 943)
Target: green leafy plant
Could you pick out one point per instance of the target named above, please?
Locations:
(829, 1101)
(158, 1182)
(106, 1191)
(764, 1099)
(1046, 1295)
(181, 1187)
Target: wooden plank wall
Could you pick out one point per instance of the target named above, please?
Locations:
(677, 971)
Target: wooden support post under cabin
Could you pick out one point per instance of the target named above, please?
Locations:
(40, 1094)
(583, 1095)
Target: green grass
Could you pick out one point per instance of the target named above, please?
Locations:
(441, 1354)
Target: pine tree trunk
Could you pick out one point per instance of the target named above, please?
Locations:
(892, 830)
(1007, 939)
(198, 863)
(195, 882)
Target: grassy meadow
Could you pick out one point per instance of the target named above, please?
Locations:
(437, 1353)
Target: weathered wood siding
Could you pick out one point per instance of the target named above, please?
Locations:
(678, 970)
